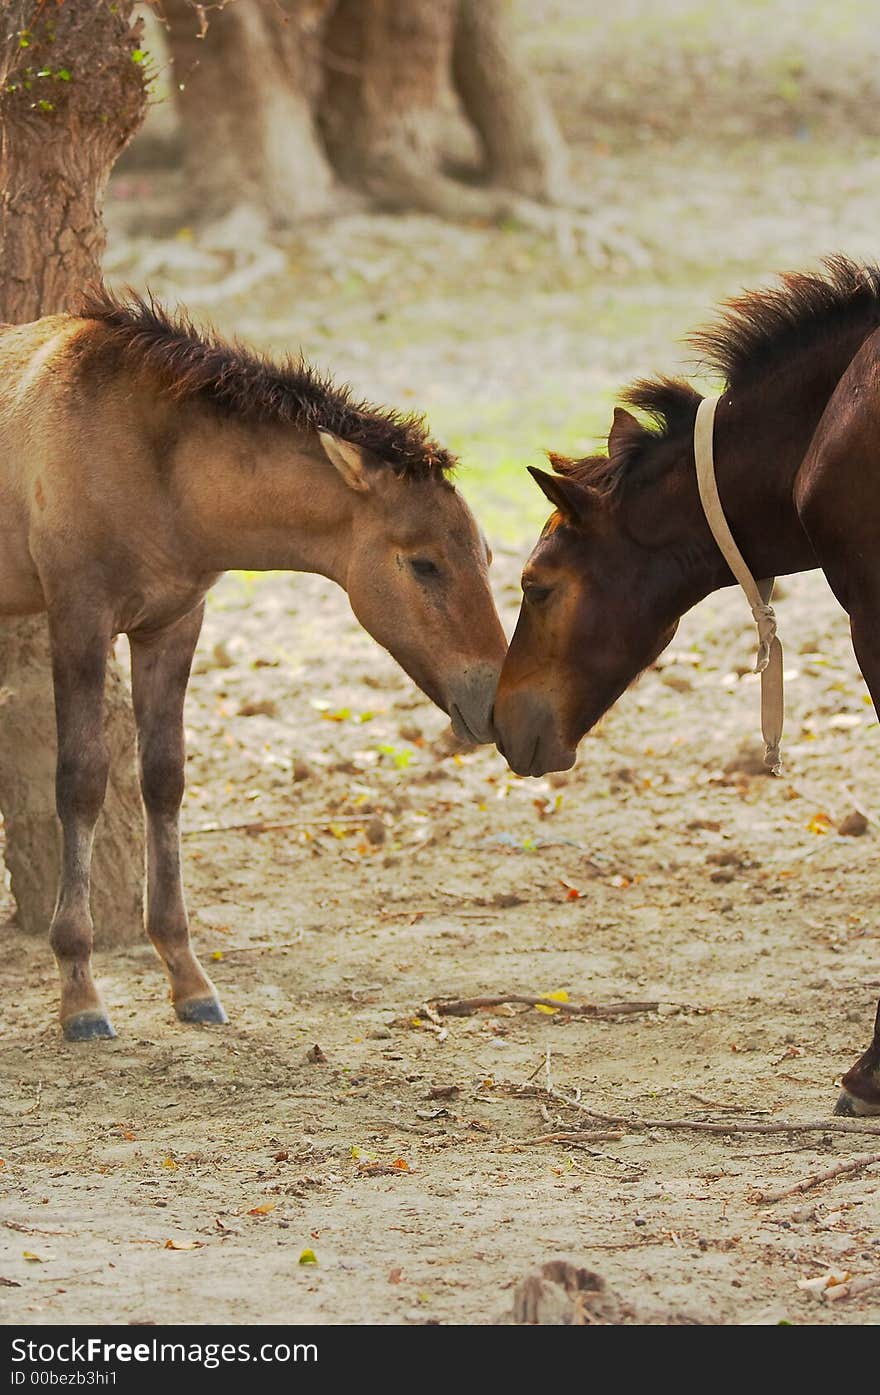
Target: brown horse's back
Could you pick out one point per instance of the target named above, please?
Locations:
(837, 489)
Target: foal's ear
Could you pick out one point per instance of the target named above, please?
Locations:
(625, 430)
(570, 498)
(351, 461)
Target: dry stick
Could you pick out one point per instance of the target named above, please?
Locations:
(574, 1136)
(707, 1126)
(864, 1283)
(463, 1007)
(262, 826)
(817, 1178)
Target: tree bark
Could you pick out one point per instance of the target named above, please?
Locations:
(245, 87)
(386, 64)
(71, 96)
(524, 148)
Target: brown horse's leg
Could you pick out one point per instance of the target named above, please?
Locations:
(160, 667)
(79, 659)
(861, 1085)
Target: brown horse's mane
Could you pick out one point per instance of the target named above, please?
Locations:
(191, 362)
(756, 334)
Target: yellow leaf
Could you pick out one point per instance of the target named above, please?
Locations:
(218, 954)
(184, 1244)
(560, 996)
(355, 1151)
(263, 1210)
(819, 823)
(32, 1258)
(308, 1257)
(169, 1163)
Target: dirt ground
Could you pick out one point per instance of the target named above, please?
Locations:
(180, 1174)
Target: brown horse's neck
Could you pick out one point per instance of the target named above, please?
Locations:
(258, 498)
(761, 436)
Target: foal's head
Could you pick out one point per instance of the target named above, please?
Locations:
(418, 580)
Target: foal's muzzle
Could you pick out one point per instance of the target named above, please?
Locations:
(470, 700)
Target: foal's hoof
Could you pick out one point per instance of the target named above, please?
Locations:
(854, 1108)
(86, 1026)
(208, 1012)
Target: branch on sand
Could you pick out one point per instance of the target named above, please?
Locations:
(816, 1179)
(463, 1007)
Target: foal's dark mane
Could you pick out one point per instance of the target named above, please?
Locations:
(757, 333)
(191, 362)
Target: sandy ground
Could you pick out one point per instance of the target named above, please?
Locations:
(407, 1160)
(179, 1174)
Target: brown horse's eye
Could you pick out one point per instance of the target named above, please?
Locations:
(424, 568)
(535, 594)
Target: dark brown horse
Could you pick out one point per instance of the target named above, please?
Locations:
(628, 550)
(138, 461)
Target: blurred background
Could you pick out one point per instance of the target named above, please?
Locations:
(498, 226)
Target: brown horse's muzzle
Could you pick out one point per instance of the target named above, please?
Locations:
(527, 735)
(470, 698)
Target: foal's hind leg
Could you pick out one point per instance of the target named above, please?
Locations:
(80, 647)
(160, 667)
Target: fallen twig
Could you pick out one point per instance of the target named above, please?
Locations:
(265, 826)
(704, 1125)
(463, 1007)
(577, 1136)
(863, 1283)
(817, 1178)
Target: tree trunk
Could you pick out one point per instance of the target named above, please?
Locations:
(386, 63)
(245, 86)
(524, 148)
(71, 96)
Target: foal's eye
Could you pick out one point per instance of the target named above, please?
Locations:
(535, 594)
(424, 568)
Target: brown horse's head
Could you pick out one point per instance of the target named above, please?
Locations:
(602, 594)
(417, 576)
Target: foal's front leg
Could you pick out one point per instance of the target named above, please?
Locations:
(160, 666)
(80, 646)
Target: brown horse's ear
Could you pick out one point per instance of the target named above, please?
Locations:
(351, 461)
(570, 498)
(625, 430)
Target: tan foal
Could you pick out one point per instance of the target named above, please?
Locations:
(140, 459)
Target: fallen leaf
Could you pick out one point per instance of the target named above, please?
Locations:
(308, 1257)
(9, 1283)
(561, 996)
(169, 1163)
(820, 823)
(443, 1092)
(184, 1244)
(32, 1258)
(401, 1164)
(263, 1210)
